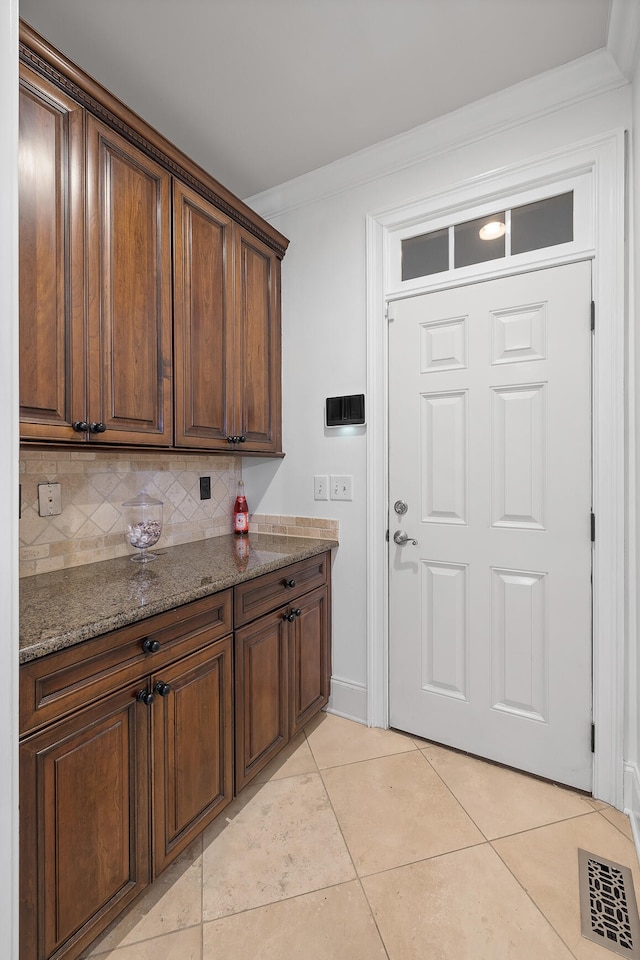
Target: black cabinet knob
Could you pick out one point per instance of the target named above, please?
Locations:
(289, 583)
(80, 426)
(241, 439)
(231, 439)
(145, 696)
(96, 427)
(289, 617)
(150, 646)
(297, 612)
(161, 688)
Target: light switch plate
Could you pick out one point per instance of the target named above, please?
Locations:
(321, 487)
(341, 488)
(49, 499)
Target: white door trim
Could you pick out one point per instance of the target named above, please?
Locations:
(604, 158)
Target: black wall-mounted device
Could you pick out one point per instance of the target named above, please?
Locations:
(343, 411)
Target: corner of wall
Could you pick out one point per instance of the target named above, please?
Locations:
(348, 700)
(632, 800)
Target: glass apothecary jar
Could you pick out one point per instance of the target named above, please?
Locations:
(143, 524)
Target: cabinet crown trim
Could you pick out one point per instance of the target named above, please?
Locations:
(50, 63)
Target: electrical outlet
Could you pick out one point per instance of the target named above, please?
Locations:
(205, 488)
(341, 488)
(321, 487)
(49, 499)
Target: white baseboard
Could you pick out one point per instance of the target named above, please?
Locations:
(348, 700)
(632, 800)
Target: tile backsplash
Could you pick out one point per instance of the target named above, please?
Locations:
(94, 486)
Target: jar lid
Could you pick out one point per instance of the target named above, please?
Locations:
(143, 500)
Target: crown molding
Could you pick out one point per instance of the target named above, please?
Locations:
(554, 90)
(623, 38)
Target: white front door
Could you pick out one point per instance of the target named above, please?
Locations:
(490, 450)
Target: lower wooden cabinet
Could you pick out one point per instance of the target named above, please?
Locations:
(113, 793)
(262, 694)
(129, 739)
(282, 662)
(84, 825)
(192, 748)
(308, 658)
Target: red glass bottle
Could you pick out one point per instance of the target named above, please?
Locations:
(241, 512)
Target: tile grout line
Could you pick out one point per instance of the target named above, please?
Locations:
(358, 878)
(526, 892)
(613, 824)
(549, 823)
(450, 791)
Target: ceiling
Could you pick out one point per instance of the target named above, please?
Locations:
(261, 91)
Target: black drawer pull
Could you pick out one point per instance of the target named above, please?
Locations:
(162, 688)
(289, 583)
(145, 696)
(150, 646)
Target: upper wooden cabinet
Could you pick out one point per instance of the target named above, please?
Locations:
(203, 321)
(129, 291)
(257, 354)
(112, 216)
(51, 232)
(227, 331)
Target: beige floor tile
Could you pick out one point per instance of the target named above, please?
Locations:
(335, 741)
(545, 861)
(294, 760)
(182, 945)
(502, 801)
(277, 840)
(172, 902)
(395, 810)
(464, 905)
(332, 924)
(619, 820)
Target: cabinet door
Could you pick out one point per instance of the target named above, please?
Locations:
(129, 289)
(262, 721)
(50, 179)
(309, 653)
(257, 356)
(203, 321)
(84, 831)
(193, 747)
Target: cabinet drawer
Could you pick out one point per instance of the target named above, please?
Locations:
(257, 597)
(65, 681)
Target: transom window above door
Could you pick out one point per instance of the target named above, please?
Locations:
(499, 234)
(543, 225)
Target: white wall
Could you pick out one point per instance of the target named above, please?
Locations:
(632, 740)
(324, 295)
(8, 478)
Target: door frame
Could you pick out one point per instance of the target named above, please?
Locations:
(603, 158)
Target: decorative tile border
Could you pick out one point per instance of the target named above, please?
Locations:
(314, 527)
(94, 486)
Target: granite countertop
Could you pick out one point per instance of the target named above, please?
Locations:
(62, 608)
